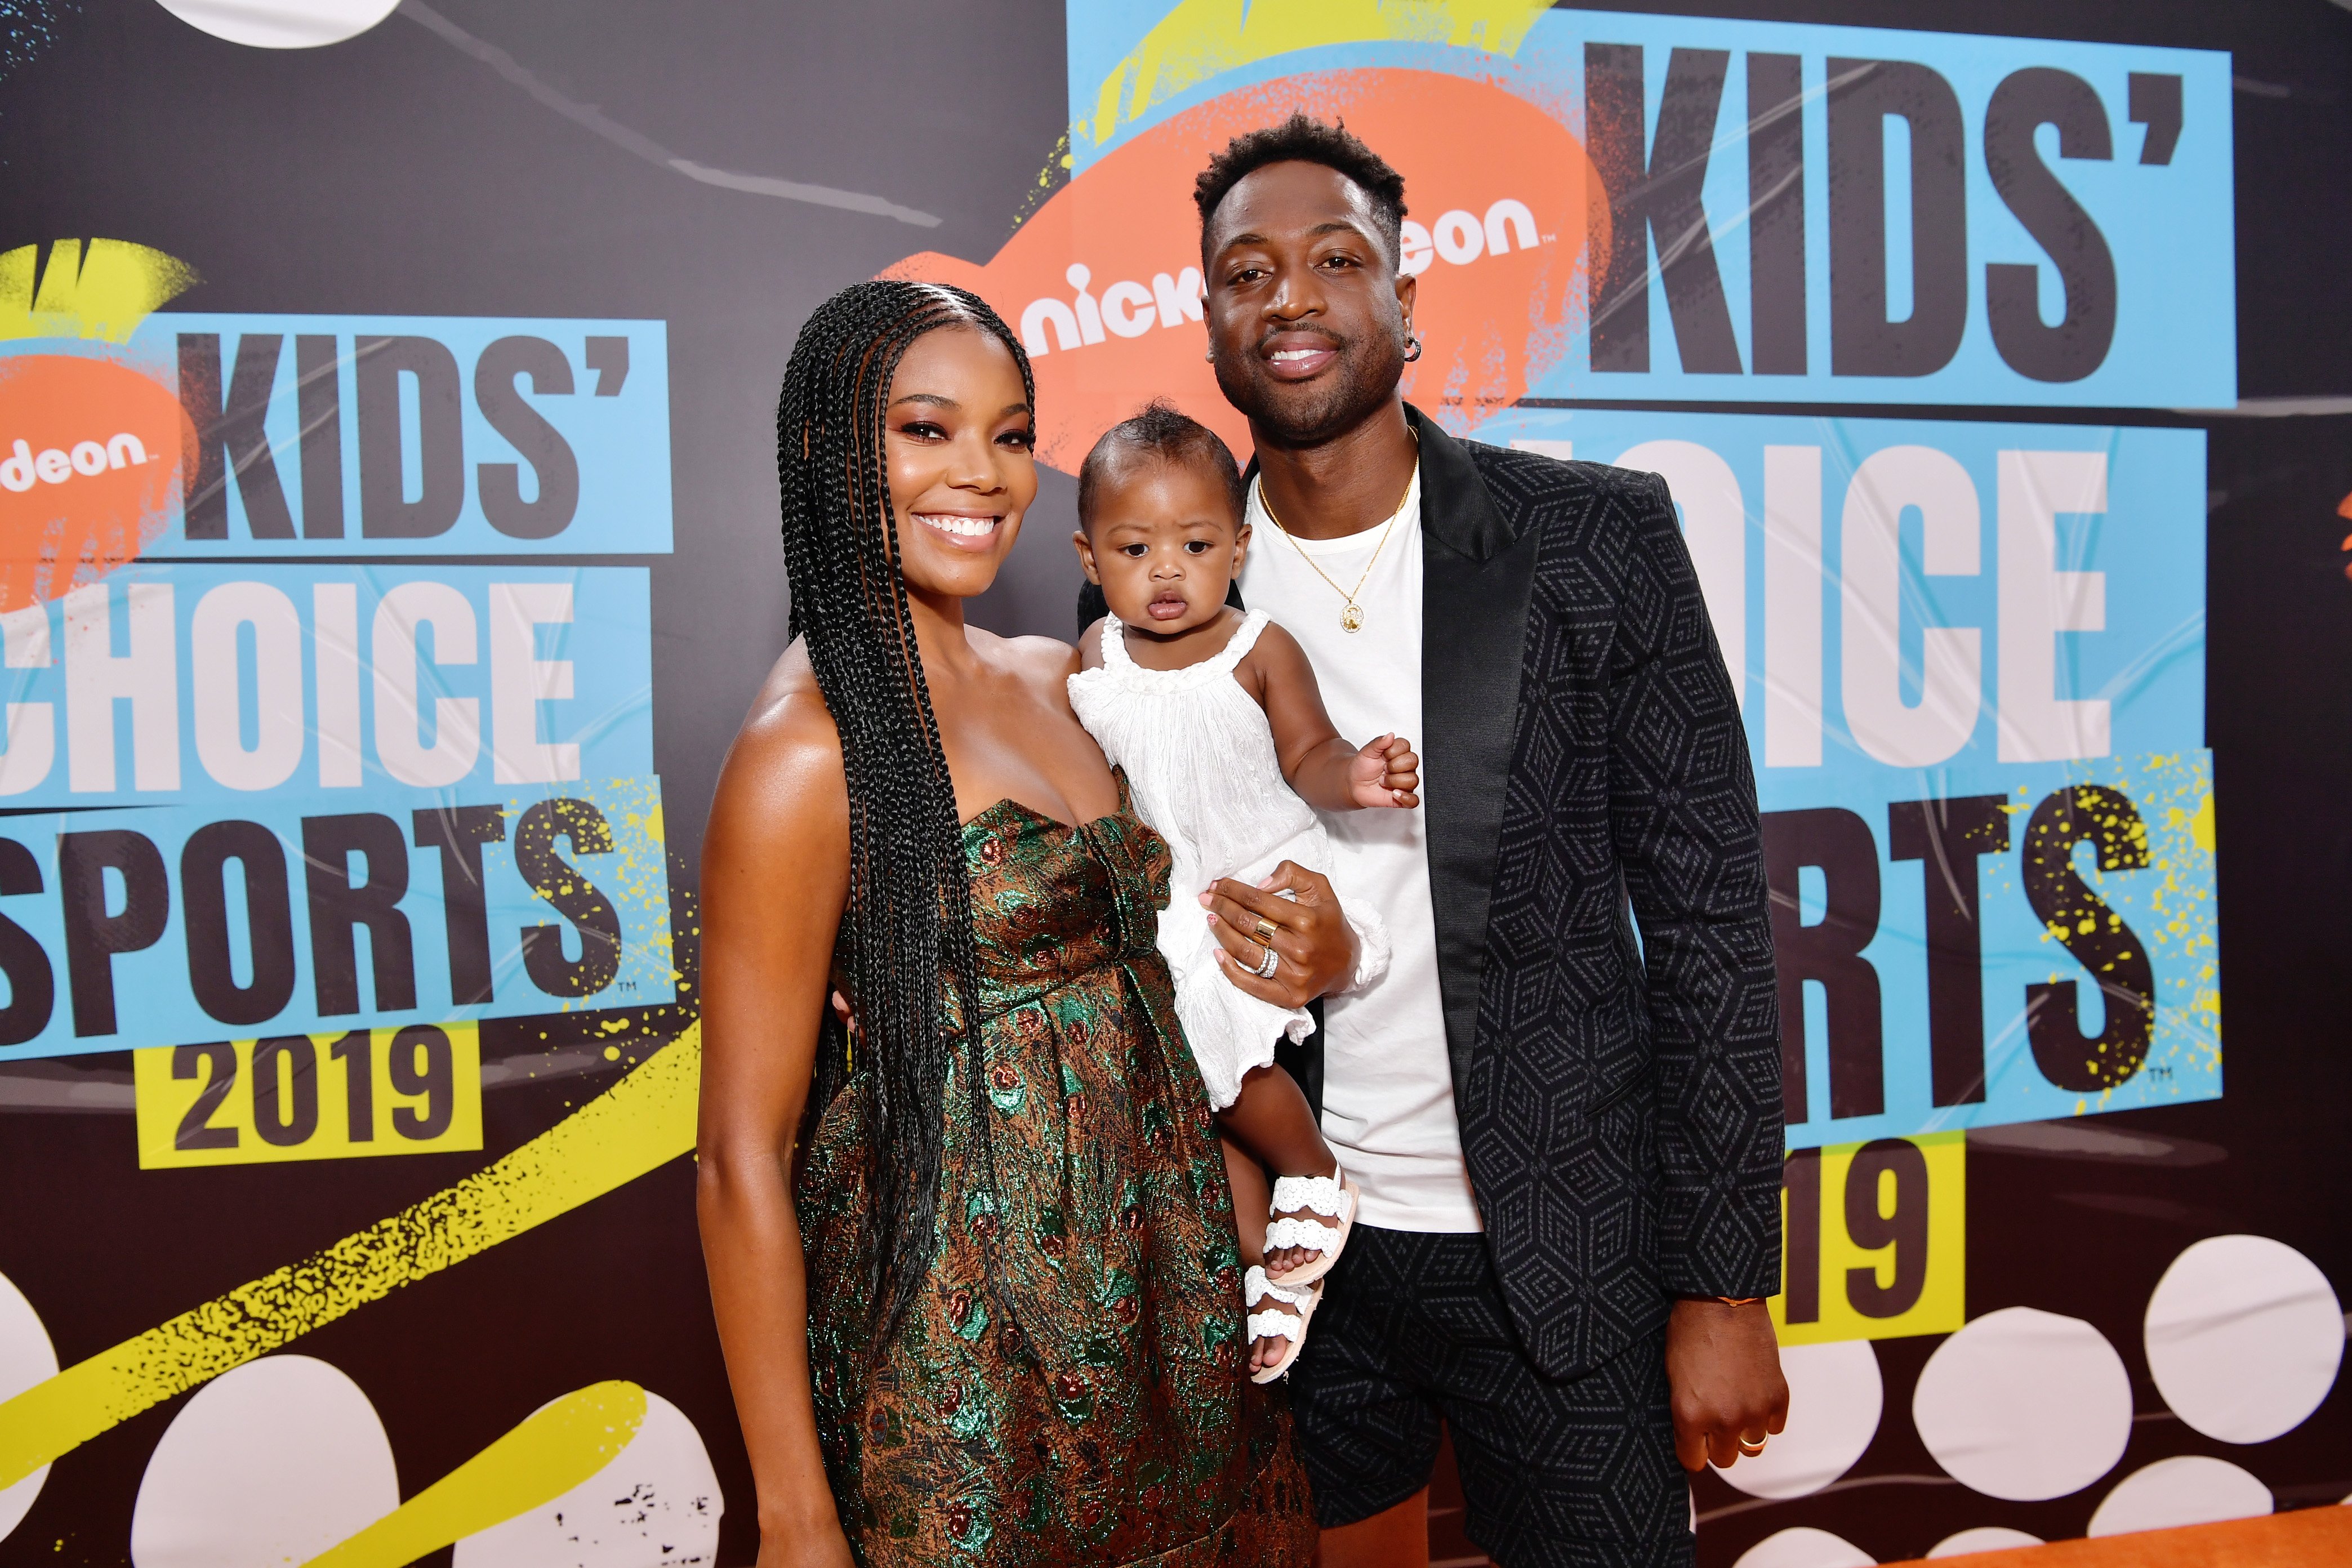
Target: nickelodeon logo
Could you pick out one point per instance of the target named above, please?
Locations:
(1170, 301)
(76, 503)
(23, 468)
(1503, 266)
(1129, 310)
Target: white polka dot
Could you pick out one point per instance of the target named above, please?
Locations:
(1805, 1547)
(2190, 1489)
(1983, 1538)
(2243, 1337)
(658, 1501)
(273, 1462)
(2024, 1404)
(1834, 1399)
(27, 1358)
(282, 23)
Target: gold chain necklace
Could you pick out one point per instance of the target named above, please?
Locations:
(1351, 615)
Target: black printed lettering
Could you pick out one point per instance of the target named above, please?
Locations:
(268, 921)
(339, 908)
(574, 896)
(386, 511)
(541, 446)
(93, 936)
(458, 833)
(32, 983)
(2077, 345)
(1949, 836)
(1861, 95)
(1657, 196)
(1776, 214)
(319, 402)
(230, 436)
(2097, 937)
(1827, 952)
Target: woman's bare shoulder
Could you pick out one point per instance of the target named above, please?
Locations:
(1043, 663)
(787, 756)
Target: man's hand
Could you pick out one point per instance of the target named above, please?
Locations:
(1722, 1369)
(1385, 772)
(1314, 946)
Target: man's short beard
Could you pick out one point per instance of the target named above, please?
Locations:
(1363, 381)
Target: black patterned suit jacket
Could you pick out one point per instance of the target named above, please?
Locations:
(1584, 758)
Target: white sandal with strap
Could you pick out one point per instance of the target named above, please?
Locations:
(1333, 1197)
(1282, 1325)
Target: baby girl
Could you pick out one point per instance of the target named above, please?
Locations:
(1216, 720)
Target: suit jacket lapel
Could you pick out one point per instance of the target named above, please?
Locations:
(1476, 578)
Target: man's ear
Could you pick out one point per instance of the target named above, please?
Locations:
(1086, 557)
(1407, 289)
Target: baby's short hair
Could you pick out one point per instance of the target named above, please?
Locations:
(1162, 431)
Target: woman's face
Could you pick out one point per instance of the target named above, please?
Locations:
(958, 436)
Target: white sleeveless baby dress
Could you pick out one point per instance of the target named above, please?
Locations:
(1201, 766)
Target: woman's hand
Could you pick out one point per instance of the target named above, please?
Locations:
(1314, 946)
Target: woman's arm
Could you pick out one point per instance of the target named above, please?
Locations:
(1329, 774)
(775, 876)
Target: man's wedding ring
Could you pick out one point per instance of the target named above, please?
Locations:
(1265, 931)
(1264, 969)
(1751, 1446)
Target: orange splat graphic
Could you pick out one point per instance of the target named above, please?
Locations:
(90, 454)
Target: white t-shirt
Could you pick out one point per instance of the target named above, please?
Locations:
(1387, 1085)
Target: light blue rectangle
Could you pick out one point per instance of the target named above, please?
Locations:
(1828, 629)
(2166, 227)
(215, 686)
(567, 906)
(2147, 548)
(542, 437)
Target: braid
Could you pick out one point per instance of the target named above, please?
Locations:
(908, 951)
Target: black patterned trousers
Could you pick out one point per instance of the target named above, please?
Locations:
(1412, 1333)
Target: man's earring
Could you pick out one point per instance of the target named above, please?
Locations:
(1412, 348)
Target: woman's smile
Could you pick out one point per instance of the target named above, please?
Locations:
(963, 531)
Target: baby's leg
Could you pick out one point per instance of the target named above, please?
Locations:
(1250, 1193)
(1271, 1120)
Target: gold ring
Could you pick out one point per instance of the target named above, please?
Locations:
(1265, 931)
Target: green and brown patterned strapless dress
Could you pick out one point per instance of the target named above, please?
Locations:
(1070, 1384)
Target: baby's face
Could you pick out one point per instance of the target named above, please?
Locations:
(1164, 546)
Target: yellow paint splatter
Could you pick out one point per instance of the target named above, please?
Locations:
(644, 1122)
(1202, 38)
(550, 1453)
(104, 294)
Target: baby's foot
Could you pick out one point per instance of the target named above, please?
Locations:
(1277, 1324)
(1303, 1220)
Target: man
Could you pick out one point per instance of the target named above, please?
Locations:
(1568, 1142)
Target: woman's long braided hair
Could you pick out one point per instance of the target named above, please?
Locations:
(907, 950)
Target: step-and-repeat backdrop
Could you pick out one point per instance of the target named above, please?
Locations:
(388, 554)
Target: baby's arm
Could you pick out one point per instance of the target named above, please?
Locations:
(1090, 654)
(1328, 772)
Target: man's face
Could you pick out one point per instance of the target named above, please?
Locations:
(1305, 313)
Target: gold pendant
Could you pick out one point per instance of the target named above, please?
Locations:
(1351, 619)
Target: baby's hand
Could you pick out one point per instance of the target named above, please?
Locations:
(1385, 772)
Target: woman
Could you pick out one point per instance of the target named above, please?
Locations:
(996, 1321)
